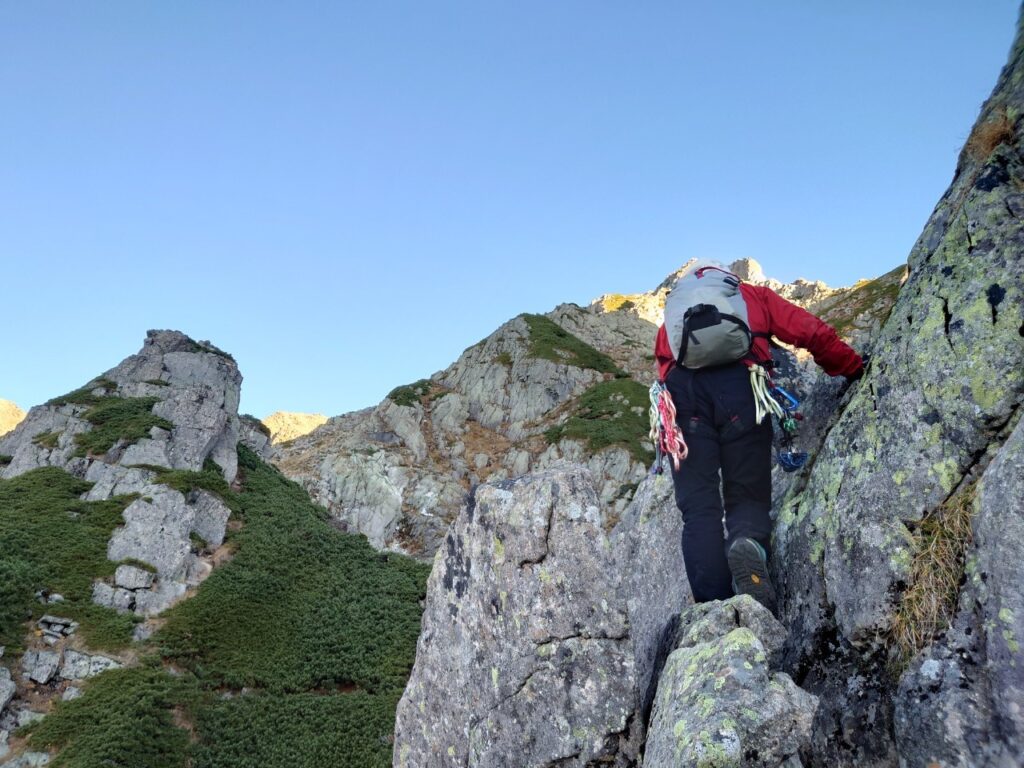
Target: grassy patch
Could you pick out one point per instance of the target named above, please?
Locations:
(127, 719)
(51, 539)
(603, 416)
(210, 479)
(549, 341)
(301, 605)
(47, 440)
(936, 572)
(158, 382)
(304, 730)
(5, 459)
(503, 358)
(84, 395)
(206, 346)
(118, 418)
(409, 394)
(986, 136)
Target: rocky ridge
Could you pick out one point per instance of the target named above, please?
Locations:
(896, 553)
(142, 431)
(537, 392)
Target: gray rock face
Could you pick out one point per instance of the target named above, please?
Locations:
(255, 436)
(131, 577)
(40, 666)
(940, 398)
(719, 702)
(79, 666)
(196, 388)
(542, 630)
(7, 688)
(962, 701)
(28, 760)
(649, 561)
(522, 609)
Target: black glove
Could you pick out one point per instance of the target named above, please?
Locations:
(865, 359)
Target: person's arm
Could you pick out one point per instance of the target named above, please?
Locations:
(794, 325)
(663, 353)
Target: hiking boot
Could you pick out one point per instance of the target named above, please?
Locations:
(748, 563)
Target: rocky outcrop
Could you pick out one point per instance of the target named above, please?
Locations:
(286, 425)
(719, 700)
(10, 416)
(255, 435)
(545, 636)
(926, 422)
(522, 607)
(172, 406)
(528, 647)
(962, 701)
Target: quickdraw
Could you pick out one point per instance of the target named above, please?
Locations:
(665, 433)
(769, 398)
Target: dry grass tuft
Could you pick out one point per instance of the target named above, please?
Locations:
(935, 576)
(988, 135)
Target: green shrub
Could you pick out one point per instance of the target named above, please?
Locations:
(51, 539)
(603, 416)
(409, 394)
(304, 730)
(211, 479)
(300, 605)
(158, 382)
(503, 358)
(118, 418)
(47, 439)
(136, 563)
(84, 395)
(318, 625)
(5, 459)
(126, 719)
(550, 341)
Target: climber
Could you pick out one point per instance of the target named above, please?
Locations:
(713, 355)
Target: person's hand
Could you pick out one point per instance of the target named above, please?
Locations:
(864, 359)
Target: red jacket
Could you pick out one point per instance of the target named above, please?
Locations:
(767, 312)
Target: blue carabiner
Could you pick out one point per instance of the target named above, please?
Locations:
(780, 392)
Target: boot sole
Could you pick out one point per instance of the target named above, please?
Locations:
(750, 574)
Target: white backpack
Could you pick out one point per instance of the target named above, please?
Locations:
(706, 319)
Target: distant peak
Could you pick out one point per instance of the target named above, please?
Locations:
(10, 416)
(175, 341)
(748, 269)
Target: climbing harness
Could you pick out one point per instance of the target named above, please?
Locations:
(769, 398)
(665, 433)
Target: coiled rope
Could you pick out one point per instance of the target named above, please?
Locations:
(764, 403)
(665, 433)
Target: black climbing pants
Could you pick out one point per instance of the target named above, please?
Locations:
(730, 461)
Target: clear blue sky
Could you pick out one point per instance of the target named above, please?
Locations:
(346, 195)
